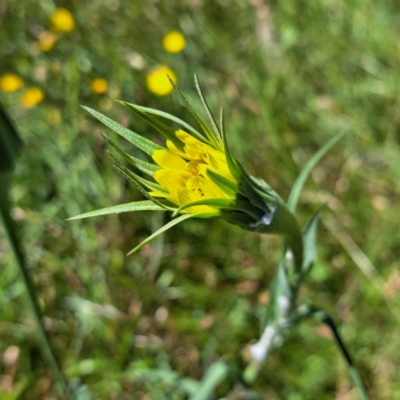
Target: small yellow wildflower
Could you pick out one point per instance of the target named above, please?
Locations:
(184, 173)
(10, 83)
(32, 97)
(62, 20)
(54, 117)
(46, 41)
(99, 85)
(174, 42)
(157, 80)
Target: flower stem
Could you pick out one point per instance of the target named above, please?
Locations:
(285, 223)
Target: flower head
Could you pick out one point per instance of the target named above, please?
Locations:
(62, 20)
(157, 80)
(46, 41)
(32, 97)
(10, 83)
(174, 42)
(194, 174)
(99, 86)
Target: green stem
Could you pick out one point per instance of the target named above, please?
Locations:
(306, 311)
(285, 223)
(11, 232)
(358, 383)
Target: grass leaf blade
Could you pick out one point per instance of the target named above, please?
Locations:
(143, 144)
(145, 205)
(301, 179)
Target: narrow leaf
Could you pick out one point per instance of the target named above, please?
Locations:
(301, 179)
(141, 165)
(122, 171)
(170, 224)
(143, 144)
(215, 202)
(213, 141)
(310, 243)
(229, 186)
(225, 205)
(251, 191)
(230, 160)
(121, 208)
(222, 122)
(165, 130)
(153, 186)
(355, 375)
(195, 133)
(10, 143)
(217, 132)
(215, 374)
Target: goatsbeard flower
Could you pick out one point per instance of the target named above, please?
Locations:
(195, 175)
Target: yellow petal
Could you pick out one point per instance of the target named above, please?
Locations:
(207, 187)
(186, 196)
(174, 149)
(218, 165)
(168, 159)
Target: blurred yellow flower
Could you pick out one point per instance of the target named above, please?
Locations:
(99, 85)
(62, 20)
(10, 83)
(47, 41)
(54, 117)
(174, 42)
(158, 82)
(31, 97)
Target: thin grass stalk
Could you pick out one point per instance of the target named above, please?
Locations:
(45, 346)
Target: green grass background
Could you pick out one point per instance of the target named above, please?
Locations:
(290, 75)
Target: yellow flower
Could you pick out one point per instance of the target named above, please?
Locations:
(184, 173)
(32, 97)
(158, 82)
(54, 117)
(194, 173)
(62, 20)
(99, 85)
(10, 83)
(46, 41)
(174, 42)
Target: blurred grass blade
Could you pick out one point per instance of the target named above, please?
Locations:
(143, 144)
(146, 205)
(301, 179)
(306, 311)
(355, 375)
(215, 374)
(172, 223)
(10, 144)
(10, 147)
